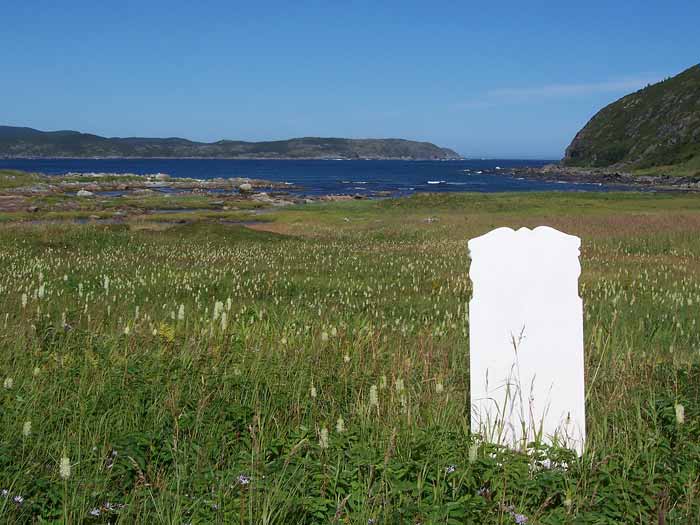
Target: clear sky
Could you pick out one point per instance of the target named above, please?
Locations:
(497, 79)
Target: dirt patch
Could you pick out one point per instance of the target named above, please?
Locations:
(13, 203)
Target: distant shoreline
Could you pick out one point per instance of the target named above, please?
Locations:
(405, 159)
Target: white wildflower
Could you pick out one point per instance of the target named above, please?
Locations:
(64, 467)
(340, 425)
(373, 396)
(473, 453)
(323, 438)
(680, 413)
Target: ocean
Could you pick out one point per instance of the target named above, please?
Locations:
(323, 177)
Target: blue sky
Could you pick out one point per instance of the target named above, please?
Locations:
(497, 79)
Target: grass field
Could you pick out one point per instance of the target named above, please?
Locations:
(314, 368)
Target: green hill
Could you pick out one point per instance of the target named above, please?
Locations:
(655, 129)
(18, 142)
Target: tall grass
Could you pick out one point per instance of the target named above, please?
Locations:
(190, 376)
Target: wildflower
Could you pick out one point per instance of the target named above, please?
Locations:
(324, 337)
(346, 358)
(313, 392)
(18, 499)
(473, 453)
(450, 469)
(126, 330)
(95, 512)
(373, 396)
(680, 413)
(520, 518)
(64, 468)
(8, 383)
(323, 438)
(181, 313)
(340, 425)
(439, 388)
(218, 308)
(24, 300)
(243, 479)
(27, 428)
(4, 493)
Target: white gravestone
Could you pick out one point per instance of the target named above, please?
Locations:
(526, 338)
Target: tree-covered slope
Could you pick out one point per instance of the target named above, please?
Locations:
(27, 142)
(656, 126)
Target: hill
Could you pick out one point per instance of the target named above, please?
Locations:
(656, 127)
(18, 142)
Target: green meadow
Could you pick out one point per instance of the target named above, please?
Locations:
(313, 367)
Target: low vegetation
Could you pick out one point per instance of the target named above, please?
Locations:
(314, 368)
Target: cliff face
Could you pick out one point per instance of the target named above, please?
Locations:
(656, 126)
(26, 142)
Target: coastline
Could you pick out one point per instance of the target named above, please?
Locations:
(404, 159)
(607, 177)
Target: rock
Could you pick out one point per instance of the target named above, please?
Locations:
(33, 209)
(161, 176)
(84, 193)
(263, 197)
(245, 188)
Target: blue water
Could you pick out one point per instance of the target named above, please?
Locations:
(319, 177)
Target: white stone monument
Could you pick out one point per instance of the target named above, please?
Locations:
(526, 338)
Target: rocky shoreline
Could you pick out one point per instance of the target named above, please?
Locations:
(131, 194)
(608, 177)
(130, 182)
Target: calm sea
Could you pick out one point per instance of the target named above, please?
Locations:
(318, 177)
